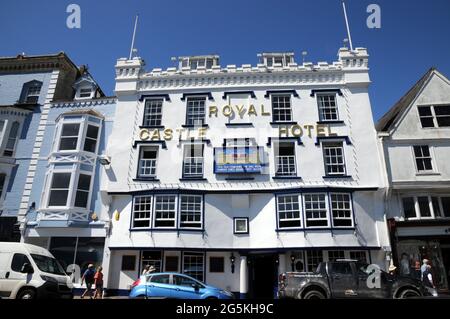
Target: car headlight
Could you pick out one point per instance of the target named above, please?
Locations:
(47, 278)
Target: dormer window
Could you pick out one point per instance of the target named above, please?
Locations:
(30, 92)
(196, 62)
(85, 92)
(276, 59)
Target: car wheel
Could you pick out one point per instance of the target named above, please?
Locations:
(26, 294)
(409, 293)
(313, 294)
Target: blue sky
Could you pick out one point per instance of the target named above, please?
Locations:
(414, 34)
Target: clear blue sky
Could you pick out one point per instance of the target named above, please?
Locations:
(414, 34)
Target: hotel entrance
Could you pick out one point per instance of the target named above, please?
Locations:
(263, 276)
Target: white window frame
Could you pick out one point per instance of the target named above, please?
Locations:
(321, 107)
(77, 173)
(283, 109)
(174, 219)
(180, 213)
(37, 95)
(419, 216)
(288, 157)
(299, 202)
(83, 121)
(189, 114)
(150, 212)
(148, 117)
(309, 254)
(237, 219)
(335, 145)
(140, 152)
(432, 157)
(351, 218)
(70, 188)
(327, 210)
(2, 131)
(201, 159)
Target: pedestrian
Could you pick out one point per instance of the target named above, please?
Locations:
(148, 270)
(98, 281)
(423, 268)
(417, 271)
(404, 264)
(427, 277)
(392, 270)
(88, 278)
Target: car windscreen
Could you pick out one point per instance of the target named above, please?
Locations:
(48, 264)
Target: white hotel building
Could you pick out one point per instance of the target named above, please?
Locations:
(235, 174)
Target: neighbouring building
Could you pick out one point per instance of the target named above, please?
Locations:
(27, 85)
(415, 135)
(235, 174)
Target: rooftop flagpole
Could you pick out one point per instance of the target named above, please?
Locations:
(134, 35)
(348, 27)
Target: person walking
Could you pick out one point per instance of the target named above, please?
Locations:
(427, 277)
(423, 268)
(404, 265)
(98, 281)
(88, 278)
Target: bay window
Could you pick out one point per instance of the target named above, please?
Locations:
(341, 209)
(165, 211)
(289, 211)
(82, 195)
(59, 189)
(77, 133)
(191, 211)
(315, 210)
(142, 211)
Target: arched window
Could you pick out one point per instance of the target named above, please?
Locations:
(31, 92)
(12, 138)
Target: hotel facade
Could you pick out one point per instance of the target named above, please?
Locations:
(235, 174)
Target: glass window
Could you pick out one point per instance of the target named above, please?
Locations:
(442, 115)
(436, 207)
(171, 263)
(315, 210)
(153, 112)
(285, 159)
(423, 158)
(151, 258)
(142, 210)
(147, 162)
(184, 281)
(241, 226)
(18, 261)
(48, 264)
(33, 93)
(160, 279)
(191, 211)
(424, 206)
(59, 190)
(281, 108)
(128, 263)
(342, 268)
(2, 126)
(90, 142)
(216, 264)
(193, 265)
(165, 211)
(84, 184)
(314, 258)
(193, 160)
(334, 158)
(426, 116)
(359, 255)
(12, 139)
(288, 211)
(341, 210)
(409, 209)
(86, 92)
(334, 255)
(446, 206)
(63, 249)
(89, 251)
(195, 111)
(69, 137)
(327, 107)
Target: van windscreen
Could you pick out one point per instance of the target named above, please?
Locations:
(48, 264)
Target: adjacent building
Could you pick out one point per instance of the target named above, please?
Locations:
(235, 174)
(415, 136)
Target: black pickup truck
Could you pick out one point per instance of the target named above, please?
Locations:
(348, 279)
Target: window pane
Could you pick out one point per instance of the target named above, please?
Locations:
(191, 211)
(424, 206)
(426, 117)
(165, 211)
(216, 264)
(153, 112)
(446, 206)
(195, 111)
(341, 210)
(151, 258)
(63, 249)
(70, 129)
(315, 210)
(281, 108)
(58, 198)
(61, 180)
(18, 261)
(142, 209)
(327, 107)
(408, 207)
(442, 115)
(171, 263)
(193, 265)
(436, 207)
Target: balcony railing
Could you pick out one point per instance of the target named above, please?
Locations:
(285, 165)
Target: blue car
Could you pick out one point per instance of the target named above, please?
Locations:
(176, 286)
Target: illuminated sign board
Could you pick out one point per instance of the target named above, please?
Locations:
(238, 160)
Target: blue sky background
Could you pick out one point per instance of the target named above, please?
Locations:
(414, 34)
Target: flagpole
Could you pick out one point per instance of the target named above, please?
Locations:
(134, 35)
(348, 27)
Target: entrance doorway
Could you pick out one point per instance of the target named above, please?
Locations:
(263, 276)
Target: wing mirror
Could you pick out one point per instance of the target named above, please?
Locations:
(27, 269)
(196, 287)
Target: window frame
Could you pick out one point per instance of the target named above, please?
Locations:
(189, 117)
(197, 254)
(11, 151)
(327, 210)
(176, 212)
(147, 103)
(417, 210)
(278, 95)
(321, 108)
(3, 185)
(277, 157)
(351, 210)
(300, 218)
(156, 159)
(247, 225)
(184, 163)
(433, 116)
(431, 157)
(133, 212)
(180, 212)
(329, 144)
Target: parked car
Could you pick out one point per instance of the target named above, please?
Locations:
(348, 279)
(30, 272)
(177, 286)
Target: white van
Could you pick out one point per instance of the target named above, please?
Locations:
(29, 272)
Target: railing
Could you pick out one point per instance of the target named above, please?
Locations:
(285, 165)
(64, 215)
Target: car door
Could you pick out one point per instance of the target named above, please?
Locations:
(184, 288)
(342, 280)
(12, 278)
(159, 286)
(372, 282)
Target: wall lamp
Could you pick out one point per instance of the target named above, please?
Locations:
(232, 260)
(293, 262)
(104, 160)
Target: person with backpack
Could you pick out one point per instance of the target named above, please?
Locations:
(88, 278)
